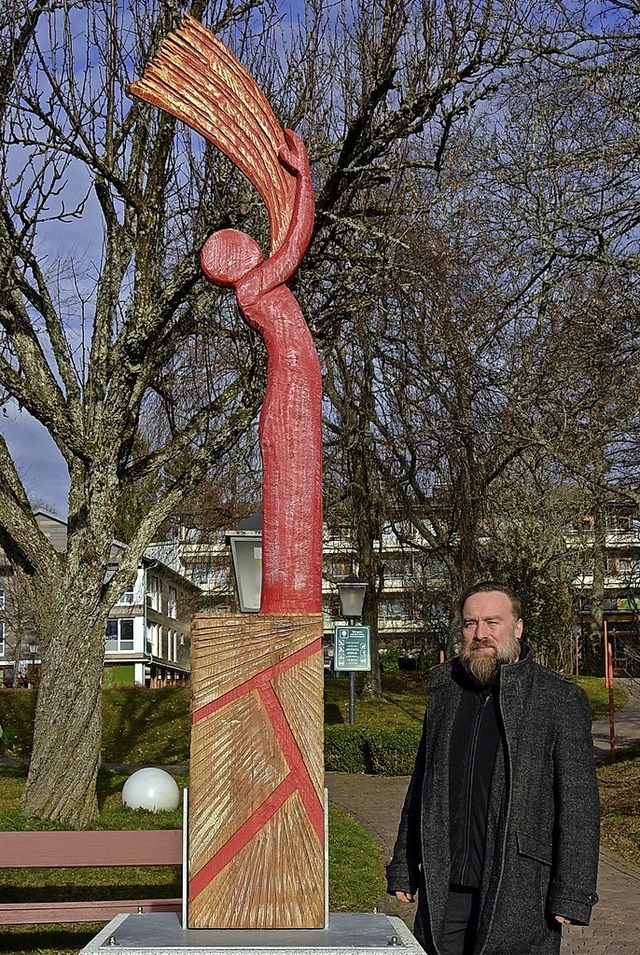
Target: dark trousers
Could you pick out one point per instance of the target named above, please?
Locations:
(460, 922)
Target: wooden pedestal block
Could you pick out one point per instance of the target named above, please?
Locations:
(256, 820)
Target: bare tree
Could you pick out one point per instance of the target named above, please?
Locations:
(508, 322)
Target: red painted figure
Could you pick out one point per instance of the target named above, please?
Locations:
(291, 415)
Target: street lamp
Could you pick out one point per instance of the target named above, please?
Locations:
(246, 557)
(33, 649)
(351, 591)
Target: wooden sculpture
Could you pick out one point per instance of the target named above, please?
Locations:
(256, 825)
(197, 79)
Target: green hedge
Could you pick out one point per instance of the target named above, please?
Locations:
(152, 726)
(367, 749)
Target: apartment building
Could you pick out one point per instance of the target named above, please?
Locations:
(205, 559)
(413, 600)
(148, 632)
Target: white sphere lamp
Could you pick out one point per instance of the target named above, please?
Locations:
(152, 789)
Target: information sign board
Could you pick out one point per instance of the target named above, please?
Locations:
(352, 648)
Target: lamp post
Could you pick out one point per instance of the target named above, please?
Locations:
(33, 649)
(246, 557)
(352, 591)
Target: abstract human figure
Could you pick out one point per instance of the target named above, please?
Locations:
(197, 79)
(291, 410)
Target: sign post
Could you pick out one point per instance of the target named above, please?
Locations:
(352, 653)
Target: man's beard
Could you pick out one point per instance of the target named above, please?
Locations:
(485, 667)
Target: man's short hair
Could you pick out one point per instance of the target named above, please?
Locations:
(485, 587)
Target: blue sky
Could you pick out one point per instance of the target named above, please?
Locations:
(40, 464)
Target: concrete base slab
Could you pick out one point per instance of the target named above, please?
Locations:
(161, 933)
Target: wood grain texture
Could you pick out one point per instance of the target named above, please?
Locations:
(195, 77)
(256, 829)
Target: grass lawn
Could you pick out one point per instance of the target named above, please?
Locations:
(598, 695)
(619, 786)
(403, 703)
(152, 726)
(404, 699)
(356, 883)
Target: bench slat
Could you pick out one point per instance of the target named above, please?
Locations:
(104, 848)
(36, 913)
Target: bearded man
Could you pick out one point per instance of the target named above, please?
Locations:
(499, 832)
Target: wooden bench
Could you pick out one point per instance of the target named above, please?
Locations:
(38, 850)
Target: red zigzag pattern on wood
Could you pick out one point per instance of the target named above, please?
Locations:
(298, 778)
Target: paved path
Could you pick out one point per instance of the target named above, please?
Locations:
(627, 725)
(376, 801)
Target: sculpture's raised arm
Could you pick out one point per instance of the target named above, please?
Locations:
(285, 261)
(234, 260)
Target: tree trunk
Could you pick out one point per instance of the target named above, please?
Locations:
(372, 685)
(61, 784)
(368, 527)
(367, 530)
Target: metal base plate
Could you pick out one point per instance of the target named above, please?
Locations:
(346, 934)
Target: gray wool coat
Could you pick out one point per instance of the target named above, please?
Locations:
(541, 851)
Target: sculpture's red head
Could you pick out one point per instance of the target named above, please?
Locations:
(227, 256)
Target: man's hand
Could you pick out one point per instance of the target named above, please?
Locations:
(405, 897)
(562, 920)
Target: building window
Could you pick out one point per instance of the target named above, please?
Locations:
(205, 574)
(2, 598)
(172, 603)
(620, 522)
(395, 610)
(221, 576)
(337, 568)
(119, 636)
(153, 593)
(1, 638)
(153, 642)
(398, 568)
(389, 535)
(127, 596)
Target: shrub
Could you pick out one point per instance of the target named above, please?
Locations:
(371, 749)
(392, 752)
(345, 749)
(17, 711)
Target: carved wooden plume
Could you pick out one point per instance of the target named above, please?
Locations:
(197, 79)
